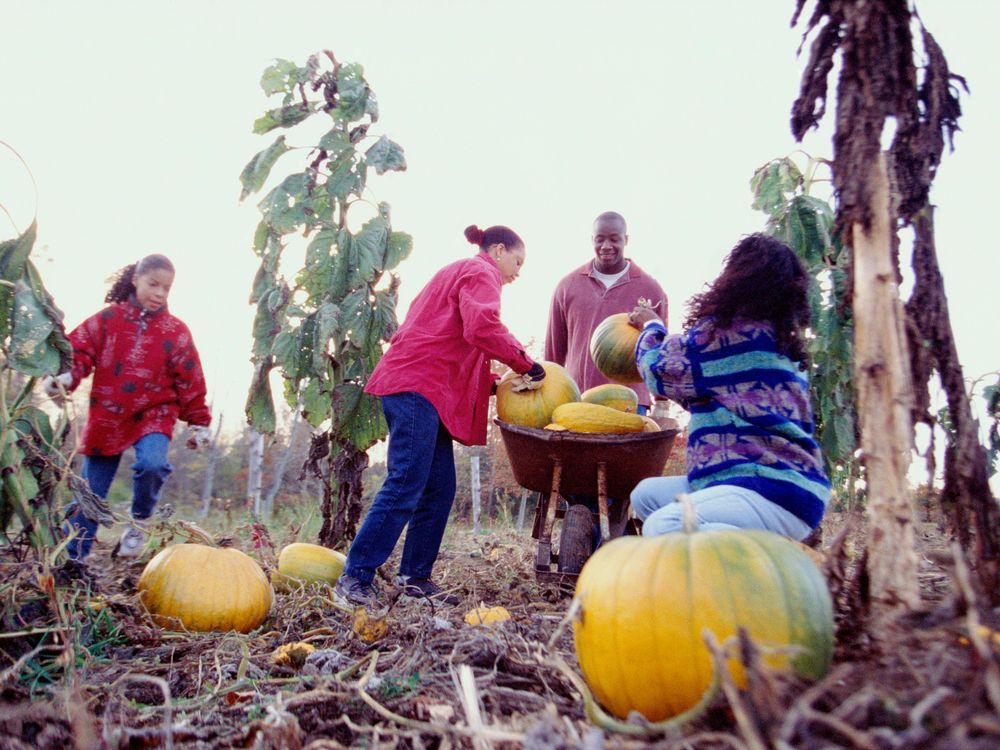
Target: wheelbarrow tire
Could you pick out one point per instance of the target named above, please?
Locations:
(576, 541)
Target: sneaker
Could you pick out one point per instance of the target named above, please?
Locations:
(131, 543)
(425, 588)
(351, 592)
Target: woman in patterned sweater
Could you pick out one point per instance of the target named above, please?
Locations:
(740, 369)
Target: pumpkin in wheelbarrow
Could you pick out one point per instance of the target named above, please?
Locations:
(534, 408)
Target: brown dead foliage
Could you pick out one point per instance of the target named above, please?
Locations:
(433, 681)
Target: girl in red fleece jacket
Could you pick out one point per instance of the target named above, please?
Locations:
(147, 375)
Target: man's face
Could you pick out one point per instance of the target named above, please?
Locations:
(610, 240)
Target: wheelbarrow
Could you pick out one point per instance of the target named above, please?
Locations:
(574, 464)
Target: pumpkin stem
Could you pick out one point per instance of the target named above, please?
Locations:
(636, 724)
(690, 518)
(196, 534)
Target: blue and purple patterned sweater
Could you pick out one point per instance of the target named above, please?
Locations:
(751, 419)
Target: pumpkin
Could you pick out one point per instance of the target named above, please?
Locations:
(533, 408)
(581, 417)
(613, 395)
(644, 602)
(649, 424)
(486, 615)
(301, 563)
(612, 347)
(204, 588)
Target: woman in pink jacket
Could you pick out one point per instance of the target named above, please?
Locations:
(435, 384)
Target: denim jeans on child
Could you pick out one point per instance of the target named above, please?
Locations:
(149, 472)
(654, 500)
(418, 491)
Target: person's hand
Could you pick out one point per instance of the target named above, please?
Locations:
(530, 380)
(55, 385)
(641, 315)
(201, 437)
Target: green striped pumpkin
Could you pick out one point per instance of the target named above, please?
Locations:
(612, 347)
(645, 601)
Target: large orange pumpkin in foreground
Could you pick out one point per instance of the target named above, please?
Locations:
(612, 347)
(645, 601)
(534, 408)
(204, 588)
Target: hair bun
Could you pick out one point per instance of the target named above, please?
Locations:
(474, 234)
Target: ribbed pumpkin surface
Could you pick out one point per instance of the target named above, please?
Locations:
(612, 395)
(612, 347)
(581, 417)
(534, 408)
(301, 563)
(645, 601)
(205, 588)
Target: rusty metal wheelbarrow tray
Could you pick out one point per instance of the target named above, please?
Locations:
(592, 464)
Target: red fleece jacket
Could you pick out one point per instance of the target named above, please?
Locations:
(444, 347)
(147, 375)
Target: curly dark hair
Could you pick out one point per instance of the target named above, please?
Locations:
(122, 286)
(762, 280)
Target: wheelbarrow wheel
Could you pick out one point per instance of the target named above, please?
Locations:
(576, 541)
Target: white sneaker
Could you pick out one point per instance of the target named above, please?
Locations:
(131, 543)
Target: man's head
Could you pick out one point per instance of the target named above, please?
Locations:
(610, 239)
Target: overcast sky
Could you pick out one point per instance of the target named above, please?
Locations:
(135, 119)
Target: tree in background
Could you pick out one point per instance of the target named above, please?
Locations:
(879, 80)
(323, 327)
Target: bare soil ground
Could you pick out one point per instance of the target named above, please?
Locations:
(82, 666)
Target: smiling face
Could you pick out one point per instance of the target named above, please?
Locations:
(509, 261)
(610, 239)
(152, 288)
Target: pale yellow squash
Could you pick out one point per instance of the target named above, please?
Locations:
(613, 395)
(302, 563)
(581, 417)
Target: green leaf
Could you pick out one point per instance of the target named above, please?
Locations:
(336, 144)
(14, 254)
(284, 208)
(344, 179)
(327, 326)
(353, 92)
(316, 403)
(255, 173)
(278, 77)
(386, 155)
(287, 116)
(260, 403)
(370, 246)
(360, 416)
(772, 182)
(29, 348)
(285, 350)
(397, 250)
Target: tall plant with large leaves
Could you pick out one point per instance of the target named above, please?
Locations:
(805, 223)
(32, 343)
(323, 326)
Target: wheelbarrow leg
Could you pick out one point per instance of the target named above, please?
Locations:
(602, 500)
(543, 559)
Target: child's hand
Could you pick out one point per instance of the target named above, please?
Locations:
(57, 385)
(201, 437)
(642, 315)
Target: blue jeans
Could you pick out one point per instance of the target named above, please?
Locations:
(149, 472)
(418, 491)
(654, 500)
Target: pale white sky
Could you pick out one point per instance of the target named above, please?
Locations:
(135, 118)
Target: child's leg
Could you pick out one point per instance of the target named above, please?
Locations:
(149, 472)
(427, 524)
(728, 507)
(413, 441)
(99, 472)
(656, 492)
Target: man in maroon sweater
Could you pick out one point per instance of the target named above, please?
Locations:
(608, 284)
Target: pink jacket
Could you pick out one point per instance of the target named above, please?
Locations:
(579, 304)
(444, 347)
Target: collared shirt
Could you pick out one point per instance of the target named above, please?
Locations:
(443, 349)
(579, 304)
(147, 375)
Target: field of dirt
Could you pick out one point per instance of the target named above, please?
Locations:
(81, 665)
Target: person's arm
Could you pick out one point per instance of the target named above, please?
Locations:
(556, 334)
(664, 362)
(87, 340)
(479, 308)
(189, 382)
